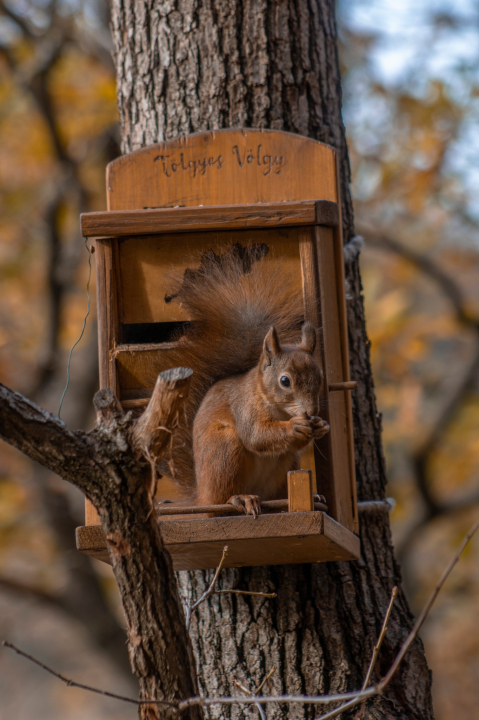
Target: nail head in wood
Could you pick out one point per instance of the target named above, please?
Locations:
(300, 491)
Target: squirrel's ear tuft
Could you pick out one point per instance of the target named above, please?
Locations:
(308, 338)
(271, 346)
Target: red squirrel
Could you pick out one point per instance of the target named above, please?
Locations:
(254, 399)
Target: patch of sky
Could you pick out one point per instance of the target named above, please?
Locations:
(433, 37)
(411, 45)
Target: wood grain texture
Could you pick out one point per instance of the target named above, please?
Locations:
(166, 220)
(145, 264)
(267, 540)
(107, 319)
(300, 491)
(229, 167)
(338, 242)
(312, 312)
(342, 501)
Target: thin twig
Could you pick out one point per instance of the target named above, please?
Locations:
(301, 699)
(256, 691)
(72, 683)
(209, 591)
(425, 611)
(212, 590)
(248, 693)
(263, 682)
(377, 647)
(379, 689)
(247, 592)
(194, 701)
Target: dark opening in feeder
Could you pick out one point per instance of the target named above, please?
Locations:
(167, 205)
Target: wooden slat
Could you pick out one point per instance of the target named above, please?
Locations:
(91, 515)
(341, 386)
(300, 491)
(309, 277)
(343, 326)
(267, 540)
(123, 223)
(338, 498)
(107, 318)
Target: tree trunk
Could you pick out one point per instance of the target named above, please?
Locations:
(194, 65)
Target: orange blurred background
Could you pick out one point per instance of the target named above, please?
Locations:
(410, 106)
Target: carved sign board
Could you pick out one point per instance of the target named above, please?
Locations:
(226, 167)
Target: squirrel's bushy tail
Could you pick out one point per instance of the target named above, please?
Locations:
(232, 300)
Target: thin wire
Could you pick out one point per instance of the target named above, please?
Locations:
(88, 248)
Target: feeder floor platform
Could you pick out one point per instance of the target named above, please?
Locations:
(273, 539)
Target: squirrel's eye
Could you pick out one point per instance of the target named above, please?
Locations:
(285, 381)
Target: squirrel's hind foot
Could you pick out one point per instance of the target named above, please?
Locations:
(249, 504)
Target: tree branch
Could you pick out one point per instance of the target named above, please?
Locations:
(108, 466)
(47, 440)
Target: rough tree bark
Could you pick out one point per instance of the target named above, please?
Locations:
(190, 65)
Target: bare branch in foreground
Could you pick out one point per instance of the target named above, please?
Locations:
(377, 647)
(72, 683)
(211, 590)
(256, 691)
(349, 699)
(425, 611)
(374, 657)
(195, 701)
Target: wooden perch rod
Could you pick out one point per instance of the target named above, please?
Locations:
(267, 506)
(350, 385)
(143, 402)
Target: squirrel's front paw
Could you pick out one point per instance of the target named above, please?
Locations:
(249, 504)
(319, 426)
(302, 429)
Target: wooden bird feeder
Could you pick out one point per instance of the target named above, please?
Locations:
(167, 204)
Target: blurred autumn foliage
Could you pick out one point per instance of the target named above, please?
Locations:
(411, 88)
(411, 82)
